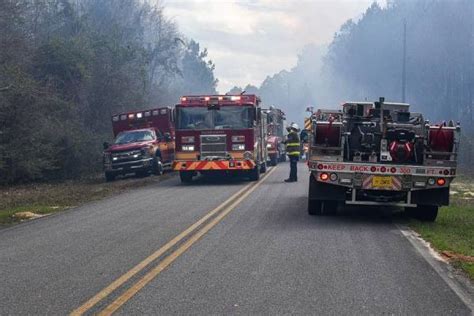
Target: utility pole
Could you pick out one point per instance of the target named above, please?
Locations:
(404, 62)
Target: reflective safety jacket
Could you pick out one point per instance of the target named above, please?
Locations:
(293, 144)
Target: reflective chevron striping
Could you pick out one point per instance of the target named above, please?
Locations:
(214, 165)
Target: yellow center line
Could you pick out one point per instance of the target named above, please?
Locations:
(135, 288)
(143, 264)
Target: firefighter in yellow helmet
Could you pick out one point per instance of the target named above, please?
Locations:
(293, 150)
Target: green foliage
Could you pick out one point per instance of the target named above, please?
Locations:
(66, 66)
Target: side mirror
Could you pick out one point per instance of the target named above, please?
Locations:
(106, 145)
(167, 137)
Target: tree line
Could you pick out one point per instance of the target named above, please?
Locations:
(67, 65)
(365, 61)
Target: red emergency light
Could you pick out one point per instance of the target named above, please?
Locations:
(207, 100)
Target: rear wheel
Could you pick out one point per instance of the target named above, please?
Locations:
(273, 161)
(186, 176)
(424, 213)
(315, 207)
(255, 173)
(329, 207)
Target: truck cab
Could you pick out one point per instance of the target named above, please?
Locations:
(220, 134)
(143, 144)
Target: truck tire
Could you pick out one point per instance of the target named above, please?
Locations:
(273, 161)
(315, 207)
(109, 177)
(255, 173)
(186, 176)
(425, 213)
(157, 166)
(329, 207)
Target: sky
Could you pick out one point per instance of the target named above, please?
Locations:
(249, 40)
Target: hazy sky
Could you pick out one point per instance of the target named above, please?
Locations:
(248, 40)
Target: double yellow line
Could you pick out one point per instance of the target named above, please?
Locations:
(212, 218)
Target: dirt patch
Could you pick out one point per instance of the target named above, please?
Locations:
(456, 256)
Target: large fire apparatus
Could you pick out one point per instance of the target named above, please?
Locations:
(380, 153)
(144, 143)
(220, 134)
(275, 119)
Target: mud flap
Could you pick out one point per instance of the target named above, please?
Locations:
(324, 191)
(431, 197)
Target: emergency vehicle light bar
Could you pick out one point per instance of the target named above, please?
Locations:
(139, 114)
(219, 99)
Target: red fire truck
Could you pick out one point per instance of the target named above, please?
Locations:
(220, 134)
(144, 143)
(380, 153)
(276, 133)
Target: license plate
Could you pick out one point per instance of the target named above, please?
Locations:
(382, 182)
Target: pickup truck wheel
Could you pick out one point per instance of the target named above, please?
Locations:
(426, 213)
(157, 166)
(255, 173)
(186, 176)
(109, 177)
(315, 207)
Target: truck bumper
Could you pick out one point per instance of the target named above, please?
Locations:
(129, 166)
(358, 195)
(204, 165)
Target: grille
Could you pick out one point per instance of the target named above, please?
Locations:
(125, 156)
(213, 146)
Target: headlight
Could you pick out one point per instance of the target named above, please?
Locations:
(269, 145)
(187, 148)
(238, 139)
(187, 139)
(238, 147)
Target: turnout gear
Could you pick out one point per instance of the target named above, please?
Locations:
(293, 151)
(293, 144)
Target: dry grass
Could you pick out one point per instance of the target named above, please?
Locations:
(47, 198)
(453, 231)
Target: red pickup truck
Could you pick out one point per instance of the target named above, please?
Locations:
(144, 143)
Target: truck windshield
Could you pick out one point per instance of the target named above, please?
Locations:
(134, 137)
(231, 117)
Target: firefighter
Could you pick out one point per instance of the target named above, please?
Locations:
(293, 151)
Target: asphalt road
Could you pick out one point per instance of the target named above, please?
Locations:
(267, 256)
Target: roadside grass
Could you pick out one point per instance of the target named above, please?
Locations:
(39, 199)
(453, 231)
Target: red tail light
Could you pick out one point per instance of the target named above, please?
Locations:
(324, 176)
(441, 181)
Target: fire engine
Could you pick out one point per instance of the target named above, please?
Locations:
(275, 120)
(381, 153)
(144, 143)
(220, 134)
